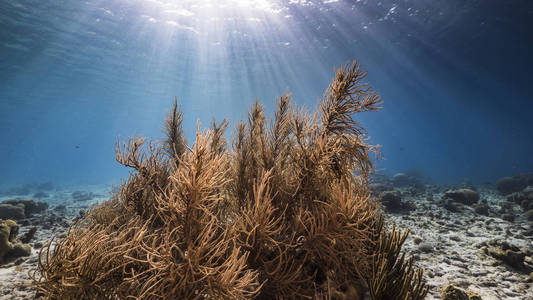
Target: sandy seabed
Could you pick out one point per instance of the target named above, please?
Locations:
(447, 245)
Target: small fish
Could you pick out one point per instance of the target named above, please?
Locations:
(77, 147)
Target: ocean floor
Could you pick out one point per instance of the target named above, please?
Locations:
(64, 206)
(451, 248)
(455, 242)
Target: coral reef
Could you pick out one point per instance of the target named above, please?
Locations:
(525, 199)
(464, 196)
(392, 200)
(508, 185)
(481, 208)
(286, 212)
(451, 292)
(10, 246)
(29, 205)
(20, 208)
(9, 211)
(509, 254)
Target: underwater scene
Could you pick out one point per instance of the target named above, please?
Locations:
(266, 149)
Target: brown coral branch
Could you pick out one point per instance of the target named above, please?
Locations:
(285, 213)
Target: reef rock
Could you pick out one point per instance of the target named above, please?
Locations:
(528, 191)
(525, 199)
(481, 208)
(29, 235)
(8, 211)
(10, 247)
(393, 201)
(529, 215)
(464, 196)
(29, 205)
(508, 217)
(451, 292)
(508, 185)
(507, 253)
(519, 197)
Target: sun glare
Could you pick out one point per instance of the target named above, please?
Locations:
(188, 5)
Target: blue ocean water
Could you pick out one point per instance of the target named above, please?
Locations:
(456, 77)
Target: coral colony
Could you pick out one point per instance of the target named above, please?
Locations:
(284, 212)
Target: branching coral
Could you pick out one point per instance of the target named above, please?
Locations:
(285, 213)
